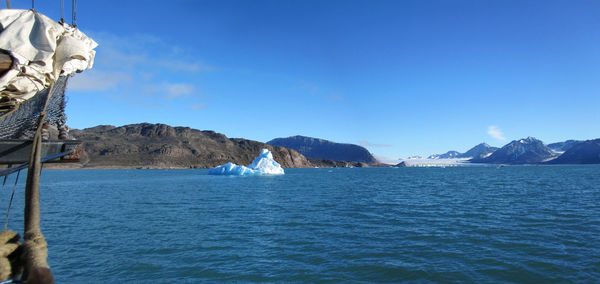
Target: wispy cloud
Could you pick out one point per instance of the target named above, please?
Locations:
(369, 144)
(135, 67)
(147, 105)
(319, 92)
(93, 80)
(177, 90)
(168, 90)
(387, 160)
(310, 88)
(138, 59)
(335, 97)
(145, 51)
(496, 133)
(198, 107)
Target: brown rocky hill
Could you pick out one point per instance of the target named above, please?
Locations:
(161, 146)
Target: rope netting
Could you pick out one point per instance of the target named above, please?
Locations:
(22, 122)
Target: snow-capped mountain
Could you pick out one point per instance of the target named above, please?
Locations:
(480, 151)
(584, 152)
(563, 146)
(447, 155)
(523, 151)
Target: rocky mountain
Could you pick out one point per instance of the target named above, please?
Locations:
(584, 152)
(524, 151)
(321, 163)
(447, 155)
(563, 146)
(314, 148)
(479, 152)
(161, 146)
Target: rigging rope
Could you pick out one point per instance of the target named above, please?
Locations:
(74, 13)
(6, 177)
(62, 11)
(8, 4)
(35, 247)
(11, 200)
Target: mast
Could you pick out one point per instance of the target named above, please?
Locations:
(29, 111)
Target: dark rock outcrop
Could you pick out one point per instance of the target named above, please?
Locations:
(161, 146)
(314, 148)
(321, 163)
(524, 151)
(584, 152)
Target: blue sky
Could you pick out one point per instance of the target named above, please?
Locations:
(400, 77)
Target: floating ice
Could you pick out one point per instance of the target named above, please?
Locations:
(262, 165)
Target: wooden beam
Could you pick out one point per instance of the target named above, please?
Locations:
(5, 62)
(17, 151)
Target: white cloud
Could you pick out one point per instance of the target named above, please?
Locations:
(93, 80)
(168, 90)
(177, 89)
(496, 133)
(135, 62)
(369, 144)
(198, 107)
(387, 160)
(132, 52)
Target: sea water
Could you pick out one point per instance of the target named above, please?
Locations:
(465, 224)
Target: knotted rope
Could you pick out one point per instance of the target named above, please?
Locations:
(9, 255)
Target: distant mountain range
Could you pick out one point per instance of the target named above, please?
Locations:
(480, 151)
(315, 148)
(563, 146)
(147, 145)
(582, 152)
(447, 155)
(531, 151)
(523, 151)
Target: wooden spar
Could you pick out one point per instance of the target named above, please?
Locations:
(35, 248)
(5, 62)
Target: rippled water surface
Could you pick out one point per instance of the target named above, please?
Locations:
(470, 224)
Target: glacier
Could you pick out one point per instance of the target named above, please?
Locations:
(262, 165)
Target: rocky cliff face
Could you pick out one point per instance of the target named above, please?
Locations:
(315, 148)
(342, 164)
(524, 151)
(162, 146)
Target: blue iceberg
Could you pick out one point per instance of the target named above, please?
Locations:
(262, 165)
